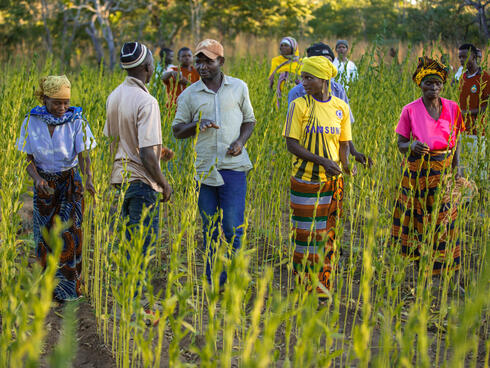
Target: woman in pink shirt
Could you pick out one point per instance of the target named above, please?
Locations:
(428, 131)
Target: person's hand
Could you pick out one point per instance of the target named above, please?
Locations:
(352, 171)
(167, 154)
(361, 158)
(419, 148)
(184, 80)
(235, 148)
(89, 186)
(331, 167)
(167, 191)
(172, 74)
(43, 188)
(206, 123)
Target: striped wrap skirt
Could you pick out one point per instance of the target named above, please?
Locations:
(315, 209)
(425, 197)
(66, 202)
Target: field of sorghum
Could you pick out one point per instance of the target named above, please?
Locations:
(381, 313)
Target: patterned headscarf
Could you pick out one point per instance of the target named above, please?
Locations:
(73, 113)
(429, 67)
(54, 86)
(294, 46)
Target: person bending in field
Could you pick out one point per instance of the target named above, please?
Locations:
(318, 134)
(347, 70)
(217, 108)
(285, 66)
(178, 78)
(321, 49)
(56, 139)
(428, 133)
(133, 122)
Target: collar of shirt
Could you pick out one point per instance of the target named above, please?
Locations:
(131, 81)
(472, 75)
(345, 61)
(229, 107)
(189, 69)
(201, 86)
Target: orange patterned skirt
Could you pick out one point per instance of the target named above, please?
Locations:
(425, 211)
(315, 209)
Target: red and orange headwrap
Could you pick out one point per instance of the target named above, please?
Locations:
(429, 67)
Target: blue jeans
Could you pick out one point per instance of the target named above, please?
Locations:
(138, 196)
(230, 198)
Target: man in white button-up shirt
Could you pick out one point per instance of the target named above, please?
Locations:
(218, 109)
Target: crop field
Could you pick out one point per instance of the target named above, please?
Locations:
(382, 312)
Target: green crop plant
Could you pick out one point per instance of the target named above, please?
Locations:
(382, 311)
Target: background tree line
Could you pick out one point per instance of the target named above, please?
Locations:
(97, 27)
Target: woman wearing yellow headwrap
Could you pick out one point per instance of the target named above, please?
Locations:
(318, 133)
(56, 139)
(286, 66)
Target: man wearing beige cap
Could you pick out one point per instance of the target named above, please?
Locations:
(217, 108)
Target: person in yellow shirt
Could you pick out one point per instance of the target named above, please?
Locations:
(318, 133)
(285, 66)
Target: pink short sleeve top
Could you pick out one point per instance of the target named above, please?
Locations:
(438, 134)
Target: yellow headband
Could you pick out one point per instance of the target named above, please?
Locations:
(320, 67)
(54, 86)
(425, 72)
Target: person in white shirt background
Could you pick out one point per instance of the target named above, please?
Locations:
(347, 70)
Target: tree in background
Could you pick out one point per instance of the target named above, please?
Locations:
(407, 20)
(258, 17)
(481, 17)
(98, 18)
(62, 27)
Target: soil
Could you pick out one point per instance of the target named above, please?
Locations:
(25, 213)
(91, 351)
